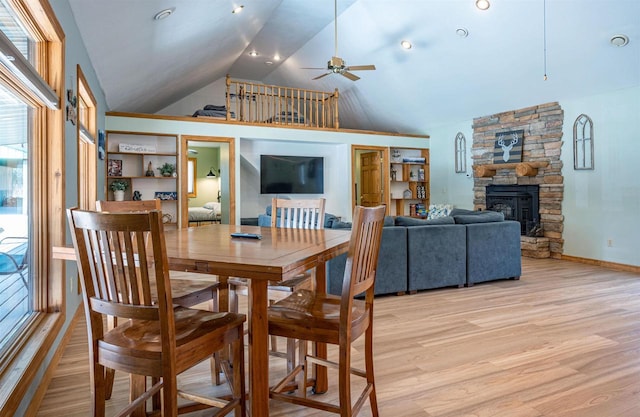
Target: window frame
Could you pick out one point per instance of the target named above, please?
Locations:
(192, 169)
(87, 150)
(47, 204)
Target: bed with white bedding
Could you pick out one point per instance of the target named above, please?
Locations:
(209, 213)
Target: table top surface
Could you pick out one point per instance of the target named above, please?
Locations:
(280, 253)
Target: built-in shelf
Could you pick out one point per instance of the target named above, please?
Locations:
(523, 169)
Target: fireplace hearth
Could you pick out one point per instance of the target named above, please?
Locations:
(516, 202)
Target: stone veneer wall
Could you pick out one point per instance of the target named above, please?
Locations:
(542, 126)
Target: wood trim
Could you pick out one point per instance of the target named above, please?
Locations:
(231, 122)
(28, 362)
(605, 264)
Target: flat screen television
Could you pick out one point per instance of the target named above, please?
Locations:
(291, 174)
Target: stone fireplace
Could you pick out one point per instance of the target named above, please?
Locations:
(511, 186)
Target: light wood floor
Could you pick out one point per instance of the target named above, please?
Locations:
(563, 341)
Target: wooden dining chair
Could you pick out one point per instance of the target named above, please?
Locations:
(186, 293)
(337, 320)
(295, 214)
(156, 337)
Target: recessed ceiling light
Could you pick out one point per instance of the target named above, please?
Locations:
(462, 32)
(163, 14)
(482, 4)
(237, 9)
(619, 40)
(276, 57)
(253, 53)
(406, 44)
(268, 62)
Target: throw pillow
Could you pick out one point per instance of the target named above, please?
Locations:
(439, 210)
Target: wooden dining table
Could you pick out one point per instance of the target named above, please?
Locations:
(280, 254)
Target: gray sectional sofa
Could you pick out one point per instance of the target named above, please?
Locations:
(463, 248)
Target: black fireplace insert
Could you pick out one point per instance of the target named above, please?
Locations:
(516, 202)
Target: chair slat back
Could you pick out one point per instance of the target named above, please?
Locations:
(298, 214)
(362, 257)
(128, 206)
(116, 263)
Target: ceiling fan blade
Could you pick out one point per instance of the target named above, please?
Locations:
(320, 76)
(350, 76)
(360, 67)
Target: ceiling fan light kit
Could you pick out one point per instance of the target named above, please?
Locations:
(337, 65)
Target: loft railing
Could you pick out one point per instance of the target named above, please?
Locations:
(275, 105)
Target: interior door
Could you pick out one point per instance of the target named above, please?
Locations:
(371, 179)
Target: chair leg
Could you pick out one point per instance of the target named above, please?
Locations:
(368, 359)
(109, 376)
(238, 375)
(98, 401)
(137, 386)
(344, 382)
(291, 354)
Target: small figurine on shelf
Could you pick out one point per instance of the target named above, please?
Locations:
(149, 172)
(137, 196)
(394, 175)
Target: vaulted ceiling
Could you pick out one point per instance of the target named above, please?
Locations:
(144, 65)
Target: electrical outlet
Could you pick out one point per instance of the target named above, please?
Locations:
(610, 243)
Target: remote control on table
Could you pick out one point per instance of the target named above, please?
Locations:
(247, 235)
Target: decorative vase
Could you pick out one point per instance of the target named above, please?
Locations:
(118, 195)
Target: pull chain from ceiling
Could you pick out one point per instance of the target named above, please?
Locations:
(544, 35)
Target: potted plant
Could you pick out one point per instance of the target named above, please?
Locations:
(118, 187)
(167, 169)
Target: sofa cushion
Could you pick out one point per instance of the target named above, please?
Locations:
(340, 225)
(479, 217)
(412, 221)
(391, 272)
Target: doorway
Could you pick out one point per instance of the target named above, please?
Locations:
(370, 175)
(209, 181)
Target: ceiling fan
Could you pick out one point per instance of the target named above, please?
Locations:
(337, 65)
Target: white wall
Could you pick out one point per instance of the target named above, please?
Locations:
(447, 186)
(599, 205)
(603, 204)
(336, 163)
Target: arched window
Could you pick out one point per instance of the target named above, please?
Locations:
(583, 143)
(461, 153)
